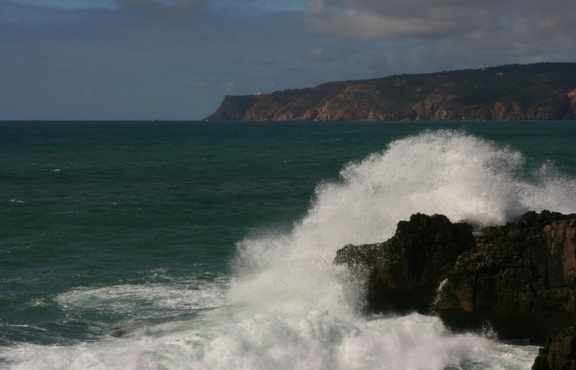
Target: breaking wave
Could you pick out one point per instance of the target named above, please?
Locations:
(289, 307)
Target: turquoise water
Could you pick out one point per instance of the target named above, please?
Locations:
(209, 245)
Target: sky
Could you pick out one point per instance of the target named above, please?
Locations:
(177, 59)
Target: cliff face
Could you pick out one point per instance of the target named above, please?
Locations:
(520, 277)
(544, 91)
(233, 108)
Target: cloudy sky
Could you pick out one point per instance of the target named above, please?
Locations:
(177, 59)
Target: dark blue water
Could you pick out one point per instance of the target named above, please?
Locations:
(135, 226)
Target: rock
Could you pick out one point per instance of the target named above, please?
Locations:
(519, 278)
(559, 353)
(542, 91)
(233, 108)
(403, 273)
(118, 333)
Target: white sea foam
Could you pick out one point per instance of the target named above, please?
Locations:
(446, 172)
(316, 340)
(291, 308)
(137, 299)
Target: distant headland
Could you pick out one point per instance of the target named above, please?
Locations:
(541, 91)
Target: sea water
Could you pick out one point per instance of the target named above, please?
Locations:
(197, 245)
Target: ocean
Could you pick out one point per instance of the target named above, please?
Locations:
(203, 245)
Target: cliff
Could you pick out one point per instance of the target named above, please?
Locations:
(543, 91)
(234, 108)
(520, 278)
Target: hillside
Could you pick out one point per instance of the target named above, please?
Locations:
(542, 91)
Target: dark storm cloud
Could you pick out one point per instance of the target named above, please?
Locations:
(431, 19)
(382, 19)
(173, 10)
(450, 34)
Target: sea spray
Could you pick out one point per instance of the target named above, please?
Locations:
(446, 172)
(461, 176)
(289, 307)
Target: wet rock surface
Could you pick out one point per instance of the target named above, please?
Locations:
(518, 278)
(559, 353)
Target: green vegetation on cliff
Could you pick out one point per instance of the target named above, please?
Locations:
(542, 91)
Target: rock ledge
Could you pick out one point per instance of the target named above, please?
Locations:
(518, 278)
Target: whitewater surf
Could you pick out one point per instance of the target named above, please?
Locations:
(287, 306)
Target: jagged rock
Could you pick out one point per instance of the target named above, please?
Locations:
(520, 277)
(542, 91)
(403, 273)
(559, 353)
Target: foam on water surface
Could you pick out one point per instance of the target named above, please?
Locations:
(445, 172)
(316, 340)
(288, 306)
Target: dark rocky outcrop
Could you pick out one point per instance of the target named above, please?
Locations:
(542, 91)
(403, 273)
(559, 353)
(519, 278)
